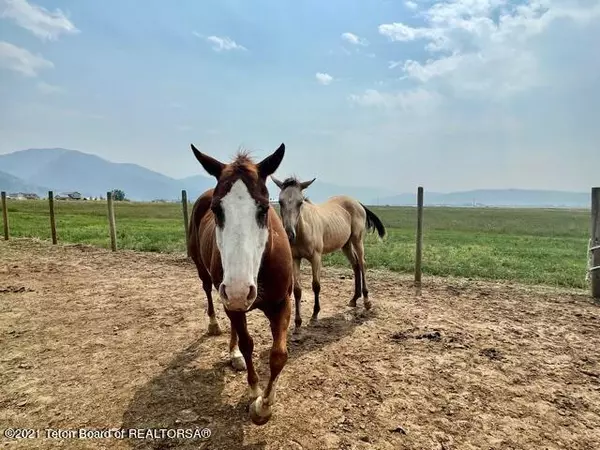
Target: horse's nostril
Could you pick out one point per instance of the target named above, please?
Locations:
(291, 235)
(251, 293)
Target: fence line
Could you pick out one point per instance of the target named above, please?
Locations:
(184, 201)
(593, 269)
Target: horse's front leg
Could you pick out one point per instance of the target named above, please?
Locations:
(261, 408)
(246, 346)
(315, 262)
(237, 358)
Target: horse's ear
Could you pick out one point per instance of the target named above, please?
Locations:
(270, 164)
(306, 184)
(277, 182)
(211, 165)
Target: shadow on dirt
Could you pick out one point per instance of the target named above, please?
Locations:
(185, 396)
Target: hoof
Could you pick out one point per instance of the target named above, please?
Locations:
(368, 304)
(214, 329)
(238, 363)
(352, 303)
(314, 320)
(258, 416)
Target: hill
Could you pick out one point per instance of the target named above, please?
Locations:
(496, 197)
(10, 183)
(71, 170)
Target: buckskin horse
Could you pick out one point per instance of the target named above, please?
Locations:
(239, 245)
(318, 229)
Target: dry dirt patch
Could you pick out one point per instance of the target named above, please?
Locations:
(90, 338)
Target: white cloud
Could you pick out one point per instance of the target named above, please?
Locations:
(42, 23)
(490, 47)
(21, 60)
(417, 100)
(49, 89)
(220, 44)
(411, 5)
(354, 39)
(323, 78)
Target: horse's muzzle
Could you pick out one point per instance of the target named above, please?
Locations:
(239, 298)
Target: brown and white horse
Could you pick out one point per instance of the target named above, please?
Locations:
(318, 229)
(239, 246)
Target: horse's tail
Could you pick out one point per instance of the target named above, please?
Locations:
(373, 222)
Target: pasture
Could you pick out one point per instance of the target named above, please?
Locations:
(532, 246)
(98, 339)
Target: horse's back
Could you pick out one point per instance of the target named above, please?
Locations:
(349, 204)
(344, 217)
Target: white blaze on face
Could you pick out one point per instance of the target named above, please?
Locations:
(241, 243)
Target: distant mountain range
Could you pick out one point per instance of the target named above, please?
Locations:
(495, 197)
(62, 170)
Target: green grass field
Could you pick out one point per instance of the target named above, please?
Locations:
(526, 245)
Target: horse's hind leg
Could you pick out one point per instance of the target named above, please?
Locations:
(213, 325)
(315, 262)
(360, 255)
(261, 408)
(351, 255)
(297, 293)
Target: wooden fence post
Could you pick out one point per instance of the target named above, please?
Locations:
(184, 204)
(5, 215)
(419, 247)
(595, 244)
(52, 219)
(111, 222)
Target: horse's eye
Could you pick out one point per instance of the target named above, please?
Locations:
(261, 211)
(218, 212)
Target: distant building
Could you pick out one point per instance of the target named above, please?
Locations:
(23, 196)
(68, 196)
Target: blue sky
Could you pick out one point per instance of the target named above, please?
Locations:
(450, 95)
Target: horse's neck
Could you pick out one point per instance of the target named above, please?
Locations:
(309, 214)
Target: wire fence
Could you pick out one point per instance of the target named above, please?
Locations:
(484, 243)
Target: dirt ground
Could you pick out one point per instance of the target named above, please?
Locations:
(99, 340)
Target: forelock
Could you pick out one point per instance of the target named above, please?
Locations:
(242, 168)
(293, 181)
(290, 182)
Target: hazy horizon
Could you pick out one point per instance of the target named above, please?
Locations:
(454, 96)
